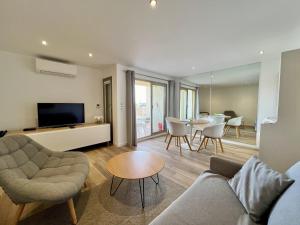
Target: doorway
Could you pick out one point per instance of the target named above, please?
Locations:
(107, 104)
(150, 100)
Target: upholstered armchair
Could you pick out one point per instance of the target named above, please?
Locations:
(31, 173)
(235, 123)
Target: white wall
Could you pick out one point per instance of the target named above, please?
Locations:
(21, 88)
(269, 89)
(111, 71)
(280, 142)
(268, 94)
(121, 105)
(241, 99)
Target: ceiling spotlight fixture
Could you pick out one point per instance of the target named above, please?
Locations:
(153, 3)
(44, 43)
(261, 52)
(90, 55)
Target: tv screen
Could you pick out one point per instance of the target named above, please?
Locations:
(60, 114)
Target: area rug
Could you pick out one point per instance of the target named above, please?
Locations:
(97, 207)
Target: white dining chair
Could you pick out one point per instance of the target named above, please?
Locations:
(178, 130)
(170, 119)
(217, 119)
(215, 133)
(235, 123)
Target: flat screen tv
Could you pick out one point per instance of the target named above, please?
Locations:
(60, 114)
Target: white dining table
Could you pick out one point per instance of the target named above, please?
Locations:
(200, 126)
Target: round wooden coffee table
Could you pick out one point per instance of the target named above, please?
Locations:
(135, 165)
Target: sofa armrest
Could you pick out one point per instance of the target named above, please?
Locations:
(224, 167)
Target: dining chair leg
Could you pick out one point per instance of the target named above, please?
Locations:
(201, 132)
(184, 140)
(194, 135)
(201, 144)
(221, 145)
(179, 145)
(187, 141)
(18, 214)
(167, 136)
(216, 147)
(206, 142)
(72, 211)
(212, 141)
(169, 142)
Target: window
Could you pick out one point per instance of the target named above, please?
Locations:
(150, 100)
(187, 103)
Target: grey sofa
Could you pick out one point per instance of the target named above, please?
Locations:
(211, 201)
(31, 173)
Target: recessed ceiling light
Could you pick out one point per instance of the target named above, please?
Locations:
(261, 52)
(44, 43)
(153, 3)
(90, 55)
(193, 67)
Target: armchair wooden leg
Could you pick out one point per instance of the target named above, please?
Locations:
(85, 184)
(221, 145)
(169, 142)
(237, 131)
(18, 214)
(72, 211)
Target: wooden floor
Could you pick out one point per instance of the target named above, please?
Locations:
(183, 170)
(247, 136)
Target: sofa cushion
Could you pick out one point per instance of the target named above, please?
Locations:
(209, 201)
(258, 186)
(287, 209)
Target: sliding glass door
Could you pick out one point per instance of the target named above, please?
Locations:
(187, 103)
(158, 107)
(143, 108)
(150, 99)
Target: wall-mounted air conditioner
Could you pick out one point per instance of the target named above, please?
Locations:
(55, 68)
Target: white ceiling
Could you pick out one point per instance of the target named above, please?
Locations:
(241, 75)
(207, 34)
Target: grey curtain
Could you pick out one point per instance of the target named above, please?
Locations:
(171, 100)
(197, 102)
(130, 102)
(177, 98)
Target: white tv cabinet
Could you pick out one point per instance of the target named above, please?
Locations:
(65, 138)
